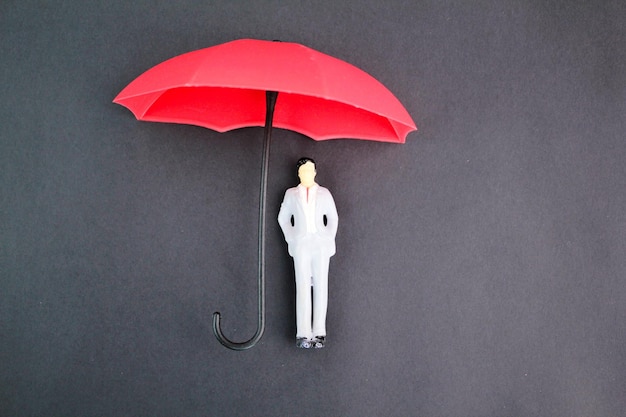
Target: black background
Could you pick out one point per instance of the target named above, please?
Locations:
(480, 266)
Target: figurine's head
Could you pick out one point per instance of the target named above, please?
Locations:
(306, 171)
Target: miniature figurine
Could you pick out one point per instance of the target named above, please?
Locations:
(308, 218)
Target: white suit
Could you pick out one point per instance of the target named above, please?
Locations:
(308, 218)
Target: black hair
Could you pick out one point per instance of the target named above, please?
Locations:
(303, 161)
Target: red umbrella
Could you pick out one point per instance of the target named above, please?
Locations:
(263, 83)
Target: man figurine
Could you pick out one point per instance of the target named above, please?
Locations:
(308, 218)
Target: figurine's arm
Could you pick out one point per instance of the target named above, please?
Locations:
(331, 218)
(284, 218)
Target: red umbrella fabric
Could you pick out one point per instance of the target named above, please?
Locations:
(263, 83)
(223, 87)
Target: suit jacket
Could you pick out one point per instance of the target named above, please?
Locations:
(325, 221)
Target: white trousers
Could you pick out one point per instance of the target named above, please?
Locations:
(311, 268)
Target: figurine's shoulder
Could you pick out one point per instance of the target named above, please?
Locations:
(293, 191)
(291, 194)
(323, 191)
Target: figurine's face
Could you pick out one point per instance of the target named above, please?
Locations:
(306, 173)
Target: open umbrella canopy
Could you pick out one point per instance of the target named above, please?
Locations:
(223, 87)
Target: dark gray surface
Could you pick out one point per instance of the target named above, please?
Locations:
(480, 266)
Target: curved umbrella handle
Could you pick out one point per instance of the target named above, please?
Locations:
(270, 100)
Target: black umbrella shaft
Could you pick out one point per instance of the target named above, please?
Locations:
(270, 102)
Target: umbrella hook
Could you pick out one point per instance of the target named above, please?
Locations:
(270, 100)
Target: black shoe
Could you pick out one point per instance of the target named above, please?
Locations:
(319, 342)
(303, 343)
